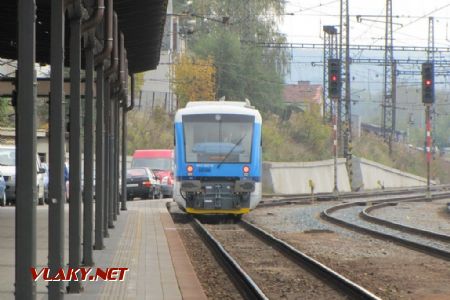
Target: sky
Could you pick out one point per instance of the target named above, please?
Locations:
(411, 19)
(410, 29)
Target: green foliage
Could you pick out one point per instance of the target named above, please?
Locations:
(303, 138)
(402, 158)
(229, 34)
(308, 128)
(6, 111)
(149, 130)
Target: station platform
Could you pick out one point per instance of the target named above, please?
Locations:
(144, 240)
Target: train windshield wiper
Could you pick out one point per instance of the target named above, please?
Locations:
(231, 151)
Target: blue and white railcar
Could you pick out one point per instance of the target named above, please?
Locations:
(218, 157)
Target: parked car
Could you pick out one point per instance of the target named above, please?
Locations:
(8, 169)
(160, 161)
(2, 191)
(142, 183)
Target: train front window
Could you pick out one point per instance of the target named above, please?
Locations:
(213, 138)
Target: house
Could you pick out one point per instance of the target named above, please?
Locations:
(304, 95)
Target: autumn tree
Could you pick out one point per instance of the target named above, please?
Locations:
(149, 129)
(194, 79)
(231, 32)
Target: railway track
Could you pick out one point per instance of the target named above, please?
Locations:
(282, 199)
(365, 214)
(352, 216)
(291, 260)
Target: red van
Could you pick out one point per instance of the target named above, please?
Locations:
(160, 161)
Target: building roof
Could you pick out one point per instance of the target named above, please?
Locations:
(302, 92)
(141, 21)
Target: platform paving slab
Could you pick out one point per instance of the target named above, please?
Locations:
(144, 240)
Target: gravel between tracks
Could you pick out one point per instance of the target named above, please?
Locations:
(214, 280)
(386, 269)
(276, 275)
(419, 215)
(351, 215)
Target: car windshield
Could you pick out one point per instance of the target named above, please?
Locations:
(7, 157)
(136, 173)
(154, 163)
(218, 138)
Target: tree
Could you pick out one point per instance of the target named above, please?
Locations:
(149, 129)
(194, 79)
(230, 33)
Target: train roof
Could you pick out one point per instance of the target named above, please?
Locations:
(218, 107)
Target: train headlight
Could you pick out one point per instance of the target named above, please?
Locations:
(246, 170)
(190, 169)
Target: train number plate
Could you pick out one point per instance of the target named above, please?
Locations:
(132, 185)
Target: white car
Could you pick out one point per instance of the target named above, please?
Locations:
(8, 169)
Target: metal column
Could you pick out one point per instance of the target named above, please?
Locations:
(75, 144)
(122, 78)
(117, 157)
(88, 153)
(124, 157)
(100, 212)
(107, 198)
(26, 194)
(88, 26)
(345, 115)
(99, 165)
(56, 150)
(111, 165)
(388, 108)
(428, 148)
(430, 58)
(114, 157)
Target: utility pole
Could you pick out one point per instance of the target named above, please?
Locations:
(430, 58)
(428, 98)
(389, 95)
(345, 130)
(334, 92)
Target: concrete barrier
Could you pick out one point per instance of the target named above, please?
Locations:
(375, 174)
(294, 178)
(297, 177)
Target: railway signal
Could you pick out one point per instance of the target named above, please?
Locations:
(334, 78)
(428, 83)
(428, 100)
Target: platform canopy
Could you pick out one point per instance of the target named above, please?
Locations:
(141, 21)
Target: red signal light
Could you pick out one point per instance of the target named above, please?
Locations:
(428, 82)
(333, 77)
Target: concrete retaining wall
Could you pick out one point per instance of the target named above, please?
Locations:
(293, 178)
(373, 172)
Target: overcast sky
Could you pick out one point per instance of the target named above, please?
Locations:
(310, 15)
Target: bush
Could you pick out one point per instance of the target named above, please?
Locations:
(149, 129)
(302, 138)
